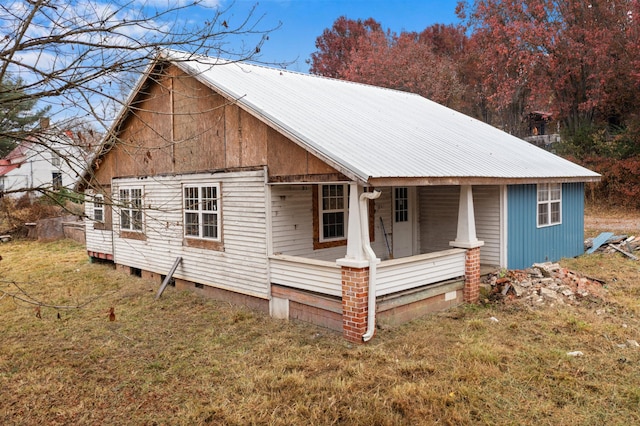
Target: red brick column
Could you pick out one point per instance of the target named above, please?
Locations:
(472, 275)
(355, 291)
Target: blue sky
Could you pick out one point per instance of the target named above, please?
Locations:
(304, 20)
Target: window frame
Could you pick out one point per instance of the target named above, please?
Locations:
(322, 211)
(200, 212)
(126, 207)
(56, 180)
(551, 197)
(98, 205)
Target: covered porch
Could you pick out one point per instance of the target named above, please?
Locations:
(406, 272)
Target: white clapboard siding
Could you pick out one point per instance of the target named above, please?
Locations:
(486, 203)
(241, 267)
(438, 217)
(412, 272)
(292, 224)
(97, 240)
(306, 274)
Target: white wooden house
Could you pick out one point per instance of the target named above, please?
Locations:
(328, 201)
(48, 161)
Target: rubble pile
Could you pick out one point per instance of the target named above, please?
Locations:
(543, 284)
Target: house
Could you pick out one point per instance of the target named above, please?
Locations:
(333, 202)
(48, 161)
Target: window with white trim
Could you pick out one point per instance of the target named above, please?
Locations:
(131, 209)
(549, 204)
(333, 203)
(202, 212)
(98, 208)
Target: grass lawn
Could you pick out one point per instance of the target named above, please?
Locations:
(188, 360)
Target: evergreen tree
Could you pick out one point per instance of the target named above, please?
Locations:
(17, 114)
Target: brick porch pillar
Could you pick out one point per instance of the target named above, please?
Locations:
(471, 290)
(355, 292)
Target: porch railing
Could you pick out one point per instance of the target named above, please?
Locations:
(416, 271)
(392, 275)
(319, 276)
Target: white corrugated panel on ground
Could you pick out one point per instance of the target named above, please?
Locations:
(371, 132)
(241, 267)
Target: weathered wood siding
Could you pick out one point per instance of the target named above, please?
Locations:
(240, 267)
(179, 125)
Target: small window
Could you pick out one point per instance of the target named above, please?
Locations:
(131, 209)
(56, 178)
(55, 160)
(401, 204)
(549, 204)
(333, 204)
(98, 208)
(201, 212)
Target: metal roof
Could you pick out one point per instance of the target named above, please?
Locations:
(372, 133)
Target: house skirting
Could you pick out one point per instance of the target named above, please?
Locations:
(98, 255)
(252, 302)
(391, 310)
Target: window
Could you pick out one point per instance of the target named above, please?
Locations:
(55, 160)
(333, 203)
(56, 178)
(201, 212)
(131, 209)
(549, 204)
(401, 204)
(98, 208)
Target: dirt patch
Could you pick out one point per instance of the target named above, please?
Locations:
(613, 224)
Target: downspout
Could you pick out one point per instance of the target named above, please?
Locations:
(366, 247)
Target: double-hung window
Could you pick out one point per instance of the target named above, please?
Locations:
(131, 209)
(98, 208)
(333, 203)
(201, 212)
(549, 204)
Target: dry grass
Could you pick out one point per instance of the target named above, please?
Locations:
(188, 360)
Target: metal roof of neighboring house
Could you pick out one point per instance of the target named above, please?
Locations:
(379, 135)
(15, 158)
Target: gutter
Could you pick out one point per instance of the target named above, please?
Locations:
(373, 261)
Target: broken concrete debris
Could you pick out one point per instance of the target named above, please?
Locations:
(543, 283)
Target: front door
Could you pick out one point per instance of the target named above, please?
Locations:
(403, 221)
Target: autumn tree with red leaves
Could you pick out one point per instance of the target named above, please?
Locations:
(573, 58)
(423, 63)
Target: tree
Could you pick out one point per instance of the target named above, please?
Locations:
(17, 113)
(422, 63)
(75, 59)
(337, 45)
(573, 58)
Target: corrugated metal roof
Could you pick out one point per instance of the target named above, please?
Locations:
(372, 132)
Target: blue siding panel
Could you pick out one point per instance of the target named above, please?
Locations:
(528, 244)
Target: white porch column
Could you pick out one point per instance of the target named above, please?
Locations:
(355, 256)
(466, 237)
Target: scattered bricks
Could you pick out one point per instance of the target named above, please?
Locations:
(561, 286)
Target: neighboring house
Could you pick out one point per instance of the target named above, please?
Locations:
(329, 201)
(49, 162)
(541, 130)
